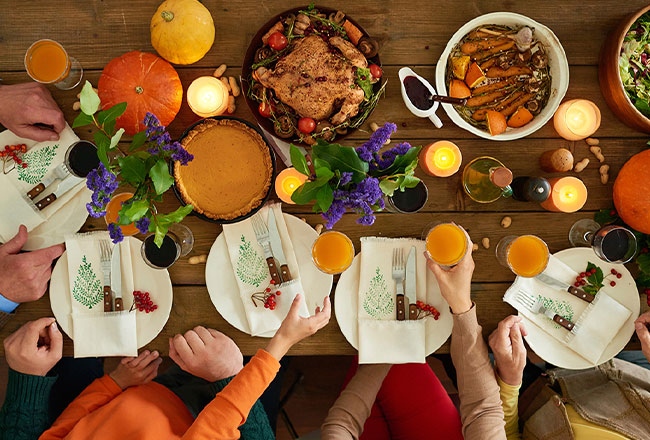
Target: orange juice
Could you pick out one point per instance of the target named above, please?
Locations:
(332, 252)
(46, 61)
(528, 256)
(113, 210)
(446, 244)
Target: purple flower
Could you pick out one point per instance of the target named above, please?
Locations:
(103, 183)
(374, 144)
(345, 178)
(181, 154)
(143, 225)
(360, 199)
(115, 232)
(334, 213)
(160, 141)
(387, 158)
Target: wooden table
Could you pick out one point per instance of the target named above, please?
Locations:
(411, 32)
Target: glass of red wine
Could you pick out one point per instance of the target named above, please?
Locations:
(81, 158)
(409, 201)
(612, 243)
(177, 243)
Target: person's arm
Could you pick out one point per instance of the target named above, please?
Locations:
(509, 395)
(347, 416)
(24, 414)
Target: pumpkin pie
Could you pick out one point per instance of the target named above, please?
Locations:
(231, 172)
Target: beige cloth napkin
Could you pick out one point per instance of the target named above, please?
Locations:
(42, 158)
(95, 332)
(608, 314)
(382, 338)
(252, 272)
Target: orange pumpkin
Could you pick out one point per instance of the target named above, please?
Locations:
(147, 83)
(632, 192)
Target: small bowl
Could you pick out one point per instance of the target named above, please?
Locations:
(557, 61)
(609, 76)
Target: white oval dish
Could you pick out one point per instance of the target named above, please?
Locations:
(557, 62)
(430, 113)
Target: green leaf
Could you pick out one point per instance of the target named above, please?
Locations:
(400, 164)
(643, 261)
(132, 169)
(320, 163)
(82, 120)
(161, 231)
(116, 138)
(103, 143)
(133, 211)
(363, 81)
(89, 99)
(323, 175)
(597, 278)
(175, 216)
(298, 160)
(409, 182)
(111, 114)
(138, 140)
(341, 158)
(325, 197)
(604, 216)
(305, 193)
(160, 177)
(388, 187)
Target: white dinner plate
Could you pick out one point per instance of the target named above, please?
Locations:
(625, 292)
(145, 279)
(222, 285)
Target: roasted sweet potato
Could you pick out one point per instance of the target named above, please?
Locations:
(478, 56)
(470, 47)
(489, 63)
(494, 86)
(497, 72)
(485, 99)
(510, 109)
(506, 102)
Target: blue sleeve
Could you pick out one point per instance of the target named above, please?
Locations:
(6, 305)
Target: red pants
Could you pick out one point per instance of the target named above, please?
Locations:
(411, 404)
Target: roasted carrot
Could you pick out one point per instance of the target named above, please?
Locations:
(353, 32)
(497, 72)
(470, 47)
(506, 102)
(491, 87)
(479, 115)
(485, 99)
(489, 63)
(493, 50)
(510, 109)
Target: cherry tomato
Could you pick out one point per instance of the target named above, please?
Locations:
(375, 71)
(265, 109)
(306, 125)
(277, 41)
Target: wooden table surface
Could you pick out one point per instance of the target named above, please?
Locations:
(412, 33)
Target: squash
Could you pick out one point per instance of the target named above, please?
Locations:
(632, 192)
(147, 83)
(182, 31)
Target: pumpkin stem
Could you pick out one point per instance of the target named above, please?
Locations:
(167, 15)
(139, 90)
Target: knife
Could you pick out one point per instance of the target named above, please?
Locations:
(66, 185)
(410, 285)
(276, 246)
(573, 290)
(116, 278)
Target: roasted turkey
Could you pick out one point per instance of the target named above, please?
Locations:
(317, 78)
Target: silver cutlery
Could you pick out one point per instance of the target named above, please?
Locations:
(58, 173)
(276, 247)
(116, 278)
(398, 277)
(535, 306)
(105, 259)
(410, 285)
(262, 235)
(573, 290)
(66, 185)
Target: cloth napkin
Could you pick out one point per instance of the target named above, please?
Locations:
(382, 338)
(95, 332)
(42, 157)
(252, 272)
(604, 313)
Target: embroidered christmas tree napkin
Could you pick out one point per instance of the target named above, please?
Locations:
(252, 273)
(16, 181)
(383, 339)
(95, 332)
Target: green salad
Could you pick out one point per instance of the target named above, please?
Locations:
(634, 64)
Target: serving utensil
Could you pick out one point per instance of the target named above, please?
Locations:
(398, 276)
(535, 306)
(262, 235)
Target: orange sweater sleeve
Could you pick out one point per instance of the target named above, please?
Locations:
(96, 395)
(229, 409)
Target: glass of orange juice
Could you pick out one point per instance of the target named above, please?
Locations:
(113, 209)
(47, 62)
(526, 255)
(446, 244)
(332, 252)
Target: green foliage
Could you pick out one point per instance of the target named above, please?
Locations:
(132, 169)
(363, 81)
(160, 176)
(89, 99)
(298, 160)
(594, 281)
(111, 114)
(343, 159)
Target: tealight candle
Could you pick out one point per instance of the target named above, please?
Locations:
(207, 96)
(287, 182)
(441, 159)
(568, 194)
(576, 119)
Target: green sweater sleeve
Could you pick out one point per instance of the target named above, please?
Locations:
(24, 414)
(256, 426)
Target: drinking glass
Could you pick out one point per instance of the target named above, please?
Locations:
(446, 243)
(81, 158)
(113, 210)
(177, 243)
(526, 255)
(332, 252)
(409, 201)
(614, 244)
(47, 62)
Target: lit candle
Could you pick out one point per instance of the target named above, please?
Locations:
(568, 194)
(207, 96)
(441, 159)
(287, 182)
(576, 119)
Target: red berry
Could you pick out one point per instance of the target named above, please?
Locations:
(583, 274)
(583, 282)
(24, 165)
(267, 289)
(577, 284)
(612, 213)
(278, 293)
(613, 271)
(593, 271)
(272, 281)
(578, 278)
(618, 275)
(272, 307)
(613, 283)
(266, 305)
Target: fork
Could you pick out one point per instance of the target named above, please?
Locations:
(59, 173)
(262, 235)
(105, 258)
(535, 306)
(398, 276)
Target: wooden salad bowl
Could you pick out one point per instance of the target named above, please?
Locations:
(609, 76)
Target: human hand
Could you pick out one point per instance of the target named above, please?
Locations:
(35, 347)
(24, 105)
(455, 283)
(295, 328)
(132, 371)
(641, 325)
(507, 344)
(206, 353)
(24, 277)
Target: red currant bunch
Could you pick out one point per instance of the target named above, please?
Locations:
(12, 151)
(267, 297)
(647, 294)
(142, 302)
(425, 310)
